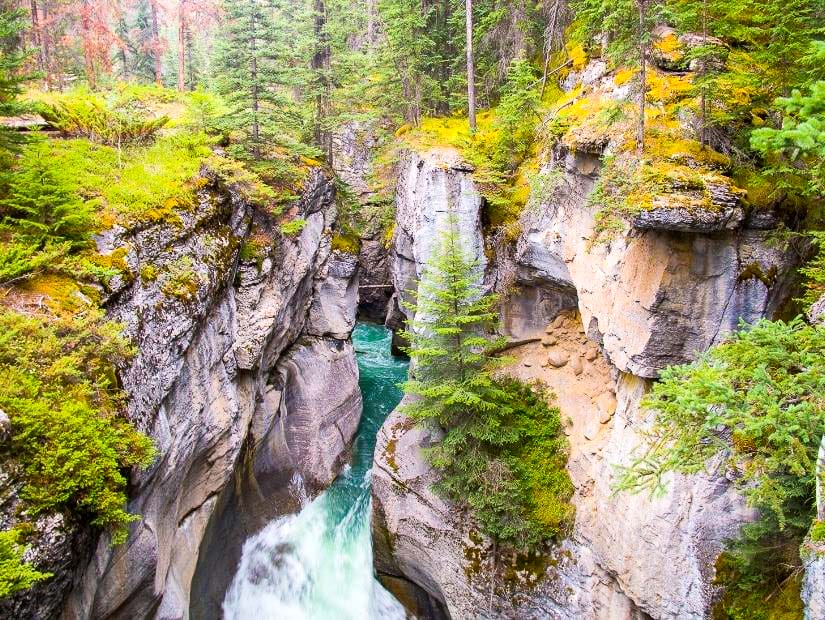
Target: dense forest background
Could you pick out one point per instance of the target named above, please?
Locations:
(140, 96)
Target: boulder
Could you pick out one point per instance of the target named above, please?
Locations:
(558, 358)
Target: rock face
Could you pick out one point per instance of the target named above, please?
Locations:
(432, 188)
(652, 297)
(221, 383)
(610, 316)
(813, 587)
(353, 146)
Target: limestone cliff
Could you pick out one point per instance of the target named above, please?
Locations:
(246, 380)
(611, 314)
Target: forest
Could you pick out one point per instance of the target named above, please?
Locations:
(123, 115)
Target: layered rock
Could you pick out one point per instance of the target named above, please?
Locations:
(653, 295)
(629, 556)
(434, 188)
(221, 383)
(354, 145)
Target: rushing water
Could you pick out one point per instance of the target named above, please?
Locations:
(317, 565)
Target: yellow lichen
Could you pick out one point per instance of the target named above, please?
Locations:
(623, 76)
(669, 47)
(662, 88)
(577, 55)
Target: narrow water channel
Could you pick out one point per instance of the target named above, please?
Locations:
(317, 564)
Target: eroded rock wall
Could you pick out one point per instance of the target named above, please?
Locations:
(221, 382)
(612, 314)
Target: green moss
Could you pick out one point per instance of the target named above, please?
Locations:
(346, 243)
(181, 281)
(818, 532)
(762, 601)
(754, 271)
(294, 227)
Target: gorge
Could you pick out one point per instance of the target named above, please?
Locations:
(210, 300)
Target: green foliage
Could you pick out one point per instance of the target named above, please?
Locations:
(294, 227)
(41, 205)
(758, 400)
(761, 570)
(15, 573)
(142, 184)
(12, 79)
(502, 452)
(814, 272)
(59, 390)
(796, 151)
(261, 61)
(88, 116)
(20, 257)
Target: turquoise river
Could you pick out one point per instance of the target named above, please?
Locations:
(317, 564)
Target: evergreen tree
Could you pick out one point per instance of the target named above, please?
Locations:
(12, 79)
(759, 399)
(489, 422)
(41, 207)
(262, 60)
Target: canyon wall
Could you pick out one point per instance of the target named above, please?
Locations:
(246, 380)
(611, 314)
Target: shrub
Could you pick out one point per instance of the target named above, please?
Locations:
(294, 228)
(87, 116)
(58, 386)
(15, 573)
(19, 258)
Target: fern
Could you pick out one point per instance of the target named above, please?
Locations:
(88, 117)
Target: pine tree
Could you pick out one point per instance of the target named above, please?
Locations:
(12, 80)
(262, 60)
(488, 422)
(41, 207)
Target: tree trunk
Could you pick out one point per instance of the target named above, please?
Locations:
(182, 45)
(703, 71)
(190, 63)
(548, 45)
(253, 45)
(820, 481)
(37, 37)
(88, 57)
(45, 41)
(371, 21)
(321, 64)
(153, 8)
(471, 80)
(640, 135)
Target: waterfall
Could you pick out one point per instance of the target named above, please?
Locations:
(317, 564)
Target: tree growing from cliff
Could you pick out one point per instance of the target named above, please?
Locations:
(502, 453)
(753, 408)
(758, 400)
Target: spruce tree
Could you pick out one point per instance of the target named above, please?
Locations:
(492, 426)
(262, 61)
